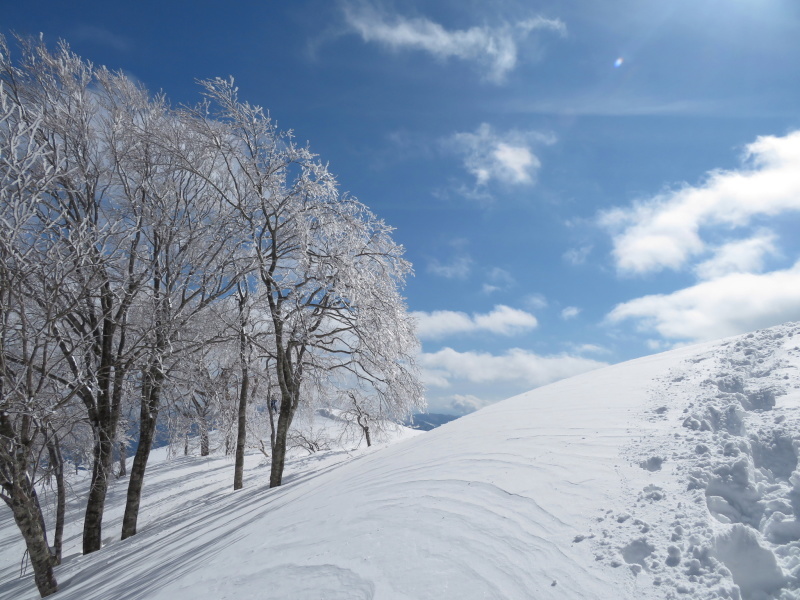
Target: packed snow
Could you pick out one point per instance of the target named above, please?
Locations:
(670, 476)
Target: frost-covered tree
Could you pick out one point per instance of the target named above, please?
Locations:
(33, 382)
(330, 272)
(85, 223)
(137, 241)
(189, 248)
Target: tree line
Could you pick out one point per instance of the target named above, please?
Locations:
(192, 257)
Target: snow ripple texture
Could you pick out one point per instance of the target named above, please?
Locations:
(671, 476)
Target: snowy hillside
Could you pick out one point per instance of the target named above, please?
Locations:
(669, 476)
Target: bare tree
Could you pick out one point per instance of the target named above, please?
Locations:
(29, 363)
(193, 255)
(330, 271)
(88, 225)
(128, 228)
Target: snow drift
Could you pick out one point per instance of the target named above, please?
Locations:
(669, 476)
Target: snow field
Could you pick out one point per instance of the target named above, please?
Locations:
(718, 519)
(671, 476)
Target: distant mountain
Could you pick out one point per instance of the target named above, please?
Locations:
(428, 421)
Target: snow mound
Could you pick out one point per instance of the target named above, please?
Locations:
(669, 476)
(721, 511)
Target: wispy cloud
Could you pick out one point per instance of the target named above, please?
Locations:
(740, 256)
(590, 349)
(665, 232)
(497, 280)
(494, 49)
(570, 312)
(458, 267)
(728, 305)
(536, 301)
(502, 320)
(507, 158)
(456, 264)
(577, 256)
(447, 367)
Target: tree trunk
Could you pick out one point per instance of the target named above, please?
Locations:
(95, 504)
(122, 451)
(29, 521)
(271, 426)
(19, 494)
(204, 443)
(279, 452)
(104, 418)
(57, 463)
(366, 434)
(241, 433)
(151, 398)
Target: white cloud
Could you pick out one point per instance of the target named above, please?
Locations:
(731, 304)
(457, 268)
(517, 161)
(502, 320)
(570, 312)
(657, 345)
(536, 301)
(463, 404)
(664, 232)
(507, 158)
(495, 49)
(741, 256)
(591, 349)
(448, 366)
(577, 256)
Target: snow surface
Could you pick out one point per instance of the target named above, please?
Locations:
(671, 476)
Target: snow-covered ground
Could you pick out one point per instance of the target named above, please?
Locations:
(665, 477)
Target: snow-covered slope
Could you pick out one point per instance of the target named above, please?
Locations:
(669, 476)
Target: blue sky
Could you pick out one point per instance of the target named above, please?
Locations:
(576, 182)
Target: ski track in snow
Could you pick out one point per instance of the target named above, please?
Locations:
(671, 476)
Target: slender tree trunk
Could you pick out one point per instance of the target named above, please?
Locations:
(289, 384)
(278, 454)
(288, 404)
(151, 397)
(366, 435)
(241, 433)
(95, 503)
(57, 463)
(104, 417)
(244, 390)
(204, 443)
(271, 426)
(122, 451)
